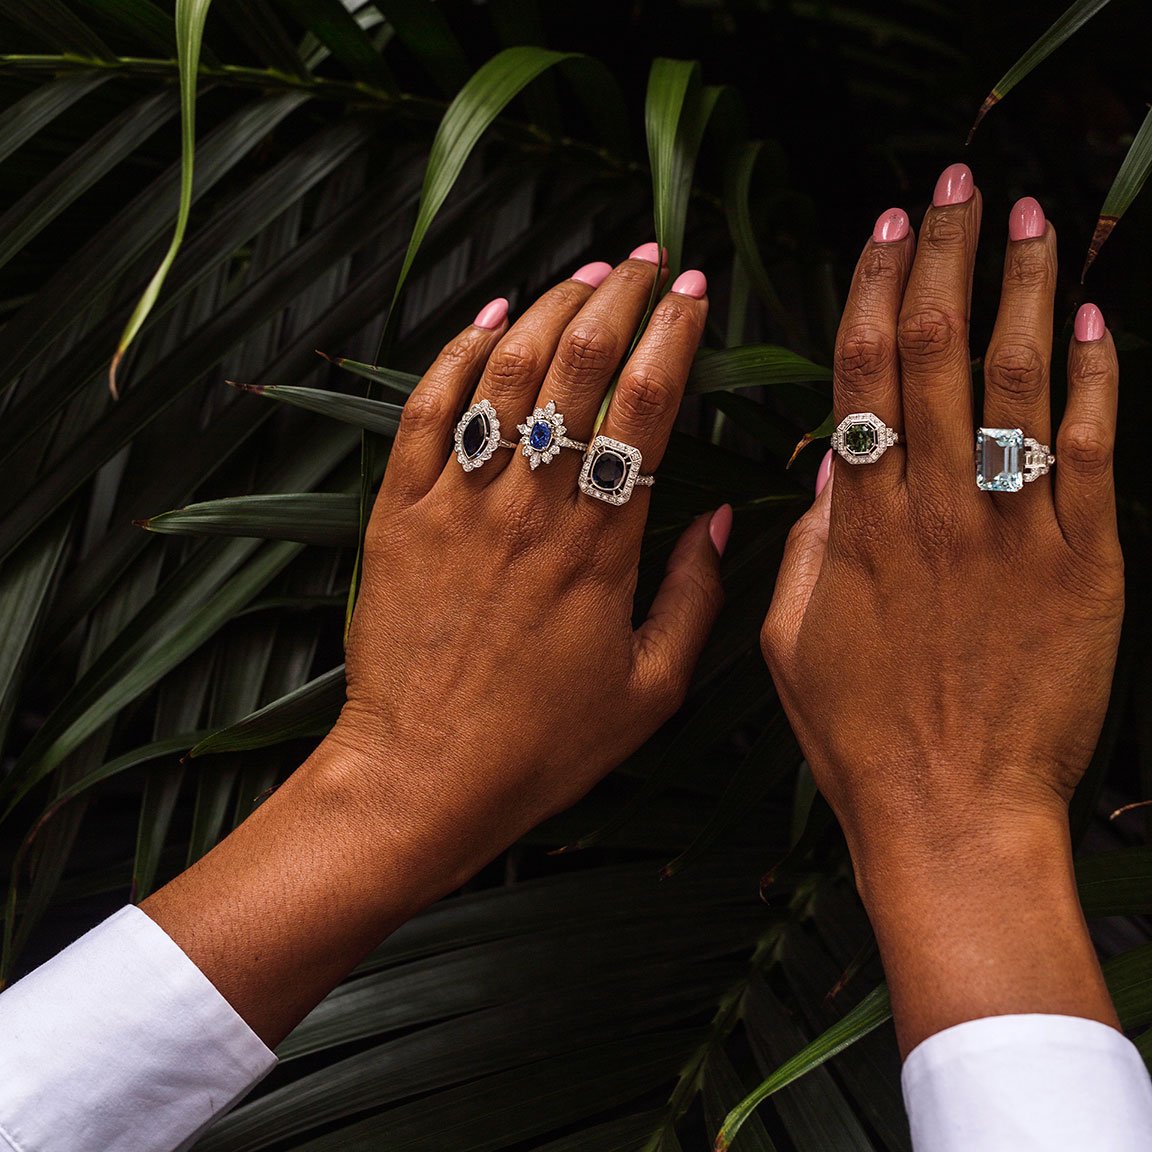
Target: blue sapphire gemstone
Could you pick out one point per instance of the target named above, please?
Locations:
(475, 435)
(608, 470)
(540, 436)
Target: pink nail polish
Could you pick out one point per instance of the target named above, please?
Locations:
(592, 274)
(492, 315)
(955, 186)
(650, 252)
(720, 528)
(1026, 221)
(1089, 324)
(691, 283)
(891, 226)
(824, 472)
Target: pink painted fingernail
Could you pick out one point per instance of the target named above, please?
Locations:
(492, 315)
(1026, 221)
(891, 226)
(592, 274)
(824, 472)
(1089, 324)
(691, 283)
(720, 528)
(955, 186)
(650, 252)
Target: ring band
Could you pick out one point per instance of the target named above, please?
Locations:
(542, 436)
(1006, 459)
(612, 470)
(477, 436)
(862, 438)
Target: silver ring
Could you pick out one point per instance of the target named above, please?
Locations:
(542, 436)
(1006, 459)
(477, 436)
(611, 470)
(863, 438)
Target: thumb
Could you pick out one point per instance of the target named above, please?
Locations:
(668, 643)
(799, 569)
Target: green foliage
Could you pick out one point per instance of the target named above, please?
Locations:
(173, 563)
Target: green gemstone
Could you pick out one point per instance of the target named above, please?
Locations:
(860, 439)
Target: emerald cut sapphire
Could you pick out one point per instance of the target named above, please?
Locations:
(999, 459)
(475, 435)
(540, 436)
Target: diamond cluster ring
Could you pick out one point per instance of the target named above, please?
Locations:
(862, 438)
(1006, 459)
(542, 436)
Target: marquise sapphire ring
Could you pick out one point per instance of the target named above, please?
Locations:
(612, 470)
(863, 438)
(477, 436)
(1006, 459)
(543, 435)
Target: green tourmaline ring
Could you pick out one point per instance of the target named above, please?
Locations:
(863, 438)
(1006, 459)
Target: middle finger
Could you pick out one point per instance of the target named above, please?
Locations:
(935, 362)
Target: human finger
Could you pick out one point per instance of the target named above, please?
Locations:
(1084, 490)
(932, 338)
(865, 367)
(417, 457)
(668, 644)
(1017, 367)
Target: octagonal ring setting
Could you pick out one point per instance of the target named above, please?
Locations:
(1006, 459)
(542, 436)
(477, 436)
(611, 471)
(862, 438)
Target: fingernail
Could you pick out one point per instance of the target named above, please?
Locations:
(592, 274)
(691, 283)
(1026, 221)
(955, 186)
(1089, 324)
(824, 472)
(650, 252)
(720, 528)
(492, 315)
(891, 226)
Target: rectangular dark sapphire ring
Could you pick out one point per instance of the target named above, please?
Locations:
(611, 470)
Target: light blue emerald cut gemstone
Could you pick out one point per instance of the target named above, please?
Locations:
(999, 459)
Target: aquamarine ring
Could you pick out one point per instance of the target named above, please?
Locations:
(1006, 459)
(862, 438)
(477, 436)
(543, 435)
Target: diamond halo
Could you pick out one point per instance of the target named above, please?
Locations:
(862, 438)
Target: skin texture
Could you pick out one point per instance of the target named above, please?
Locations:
(945, 654)
(494, 674)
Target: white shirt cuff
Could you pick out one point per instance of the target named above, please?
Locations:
(120, 1043)
(1028, 1082)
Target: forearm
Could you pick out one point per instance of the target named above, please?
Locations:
(982, 925)
(331, 863)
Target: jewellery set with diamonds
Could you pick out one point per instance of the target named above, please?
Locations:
(1006, 459)
(611, 468)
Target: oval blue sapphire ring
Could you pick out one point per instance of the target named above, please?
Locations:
(611, 470)
(477, 436)
(542, 436)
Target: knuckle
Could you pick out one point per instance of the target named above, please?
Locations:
(672, 314)
(586, 350)
(644, 393)
(928, 334)
(1030, 267)
(944, 230)
(425, 408)
(864, 358)
(1094, 369)
(1085, 447)
(877, 266)
(1019, 368)
(511, 363)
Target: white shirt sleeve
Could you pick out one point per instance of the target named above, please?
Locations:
(1025, 1084)
(120, 1043)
